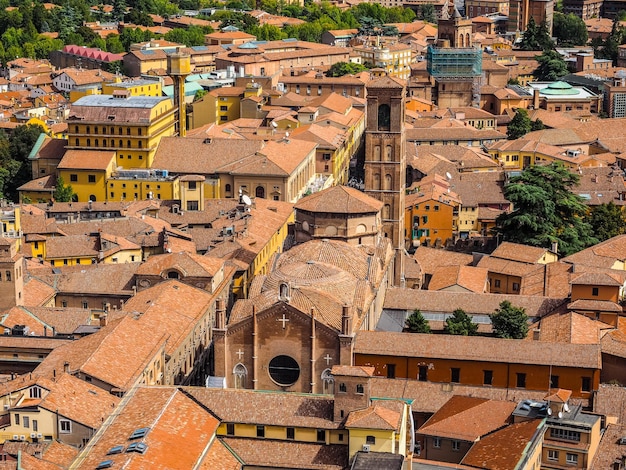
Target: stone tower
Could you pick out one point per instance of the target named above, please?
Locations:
(385, 160)
(455, 31)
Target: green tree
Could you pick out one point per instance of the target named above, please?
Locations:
(545, 210)
(62, 192)
(536, 37)
(22, 140)
(519, 126)
(427, 13)
(570, 30)
(340, 69)
(552, 66)
(509, 321)
(607, 221)
(537, 125)
(460, 323)
(268, 32)
(416, 323)
(199, 95)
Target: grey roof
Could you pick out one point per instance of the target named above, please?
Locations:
(108, 101)
(377, 461)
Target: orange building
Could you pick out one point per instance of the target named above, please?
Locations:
(431, 212)
(597, 296)
(479, 361)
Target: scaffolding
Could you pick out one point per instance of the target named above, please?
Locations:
(454, 63)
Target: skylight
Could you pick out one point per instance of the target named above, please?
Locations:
(105, 464)
(139, 447)
(115, 450)
(138, 433)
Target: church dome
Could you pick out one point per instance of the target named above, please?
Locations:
(560, 88)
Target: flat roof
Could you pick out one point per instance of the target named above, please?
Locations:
(108, 101)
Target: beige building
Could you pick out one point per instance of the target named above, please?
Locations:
(395, 59)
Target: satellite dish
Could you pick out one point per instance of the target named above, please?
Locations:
(549, 411)
(448, 175)
(246, 200)
(560, 415)
(274, 125)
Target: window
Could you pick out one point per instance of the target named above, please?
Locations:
(65, 426)
(35, 425)
(74, 178)
(85, 305)
(437, 443)
(192, 205)
(586, 384)
(455, 375)
(291, 433)
(223, 118)
(8, 276)
(370, 440)
(64, 303)
(554, 381)
(359, 388)
(35, 392)
(515, 286)
(321, 435)
(565, 434)
(239, 375)
(139, 131)
(128, 143)
(223, 108)
(91, 178)
(260, 431)
(17, 419)
(340, 437)
(193, 185)
(553, 455)
(496, 283)
(595, 291)
(230, 429)
(436, 208)
(227, 188)
(342, 388)
(521, 380)
(391, 371)
(26, 422)
(284, 370)
(456, 445)
(571, 459)
(328, 382)
(487, 377)
(422, 374)
(384, 117)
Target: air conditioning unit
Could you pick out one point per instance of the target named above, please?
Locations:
(39, 435)
(22, 437)
(15, 437)
(33, 435)
(366, 447)
(6, 407)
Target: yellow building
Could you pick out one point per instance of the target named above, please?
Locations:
(139, 184)
(223, 104)
(141, 87)
(431, 212)
(396, 58)
(129, 126)
(87, 172)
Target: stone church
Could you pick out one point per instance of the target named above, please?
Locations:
(300, 319)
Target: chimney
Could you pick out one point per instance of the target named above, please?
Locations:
(536, 99)
(554, 247)
(66, 367)
(104, 320)
(346, 321)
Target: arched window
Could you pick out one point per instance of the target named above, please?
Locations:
(240, 374)
(359, 388)
(95, 130)
(97, 143)
(104, 142)
(388, 153)
(92, 197)
(88, 130)
(376, 181)
(260, 192)
(467, 40)
(384, 117)
(173, 275)
(342, 387)
(387, 182)
(77, 141)
(119, 130)
(461, 42)
(121, 143)
(377, 153)
(112, 130)
(76, 129)
(328, 382)
(88, 142)
(386, 211)
(283, 292)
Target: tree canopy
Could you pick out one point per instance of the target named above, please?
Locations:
(62, 191)
(607, 221)
(340, 69)
(536, 37)
(509, 321)
(416, 323)
(552, 66)
(570, 30)
(519, 126)
(460, 323)
(545, 210)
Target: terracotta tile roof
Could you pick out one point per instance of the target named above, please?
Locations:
(219, 457)
(175, 421)
(73, 246)
(432, 258)
(441, 301)
(386, 82)
(517, 252)
(45, 183)
(595, 279)
(21, 316)
(191, 264)
(86, 160)
(267, 408)
(604, 254)
(353, 371)
(610, 451)
(37, 292)
(470, 348)
(559, 396)
(380, 415)
(610, 400)
(468, 418)
(116, 355)
(340, 200)
(595, 306)
(473, 279)
(571, 327)
(614, 344)
(282, 454)
(79, 401)
(64, 320)
(503, 449)
(60, 454)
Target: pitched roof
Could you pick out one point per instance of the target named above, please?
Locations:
(339, 200)
(86, 160)
(571, 327)
(473, 279)
(380, 415)
(503, 449)
(473, 348)
(610, 450)
(431, 258)
(174, 421)
(468, 418)
(517, 252)
(191, 264)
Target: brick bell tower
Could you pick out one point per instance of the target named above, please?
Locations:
(385, 160)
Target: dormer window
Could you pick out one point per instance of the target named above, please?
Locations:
(173, 275)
